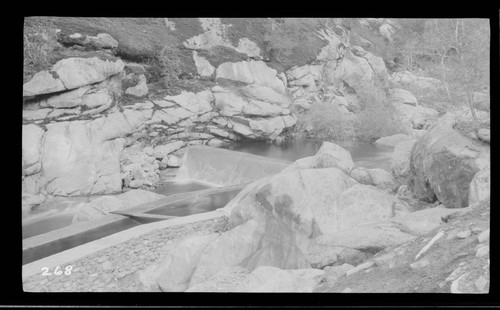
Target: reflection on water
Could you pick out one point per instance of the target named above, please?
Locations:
(66, 243)
(47, 224)
(364, 155)
(201, 204)
(174, 187)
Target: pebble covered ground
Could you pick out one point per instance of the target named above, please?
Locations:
(453, 258)
(116, 268)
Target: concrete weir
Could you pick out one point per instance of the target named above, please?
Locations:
(226, 167)
(122, 239)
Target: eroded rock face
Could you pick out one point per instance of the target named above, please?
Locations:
(71, 73)
(81, 157)
(443, 164)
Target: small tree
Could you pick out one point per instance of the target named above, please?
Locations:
(460, 47)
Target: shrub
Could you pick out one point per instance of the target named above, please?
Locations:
(325, 121)
(40, 40)
(378, 118)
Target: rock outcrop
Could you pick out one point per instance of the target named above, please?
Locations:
(443, 164)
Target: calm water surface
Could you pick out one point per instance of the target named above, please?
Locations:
(364, 155)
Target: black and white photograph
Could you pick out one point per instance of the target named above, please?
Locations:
(256, 155)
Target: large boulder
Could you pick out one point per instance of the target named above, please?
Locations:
(443, 164)
(303, 199)
(257, 242)
(332, 155)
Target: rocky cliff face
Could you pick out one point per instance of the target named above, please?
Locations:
(86, 119)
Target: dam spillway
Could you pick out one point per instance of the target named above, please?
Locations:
(225, 167)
